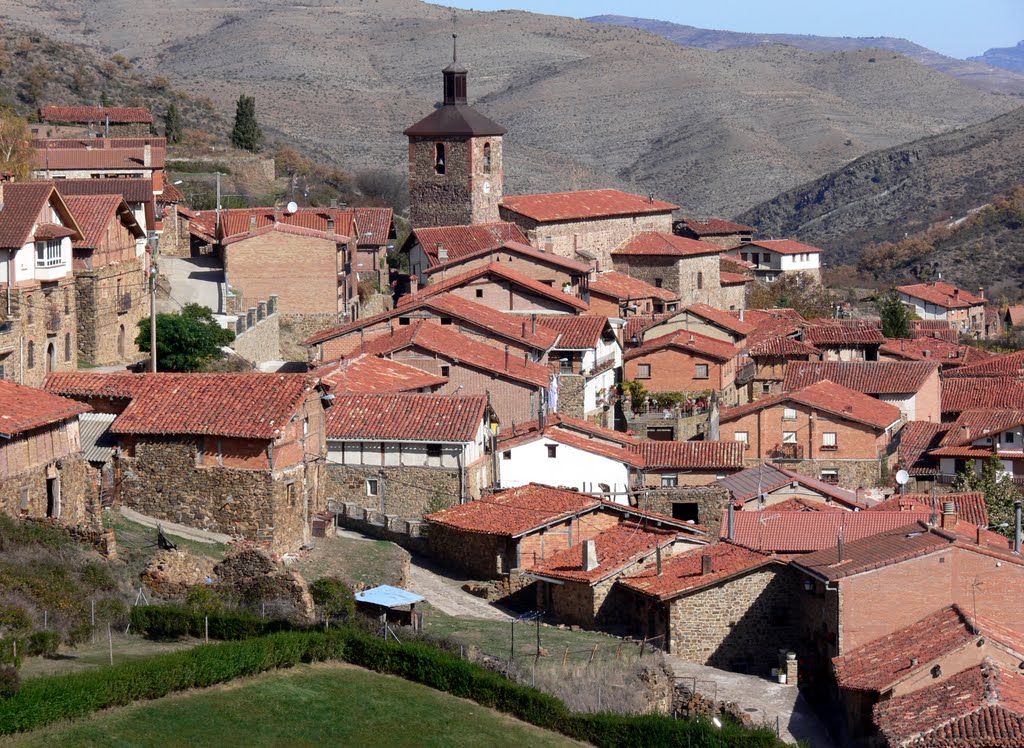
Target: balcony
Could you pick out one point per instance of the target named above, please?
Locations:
(786, 452)
(745, 374)
(123, 302)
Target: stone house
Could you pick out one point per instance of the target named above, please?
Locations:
(684, 362)
(726, 234)
(968, 393)
(964, 311)
(948, 354)
(586, 225)
(772, 346)
(722, 605)
(42, 473)
(770, 487)
(733, 292)
(824, 430)
(376, 234)
(688, 268)
(520, 334)
(38, 328)
(430, 246)
(588, 357)
(93, 121)
(976, 436)
(615, 294)
(772, 257)
(240, 454)
(843, 339)
(409, 454)
(699, 463)
(111, 282)
(517, 387)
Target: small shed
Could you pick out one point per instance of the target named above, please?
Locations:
(389, 603)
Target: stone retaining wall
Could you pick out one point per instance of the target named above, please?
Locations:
(710, 501)
(407, 533)
(405, 491)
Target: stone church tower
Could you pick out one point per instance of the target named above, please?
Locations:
(455, 170)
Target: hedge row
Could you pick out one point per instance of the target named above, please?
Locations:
(174, 622)
(45, 700)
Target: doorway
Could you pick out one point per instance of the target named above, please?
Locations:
(120, 342)
(51, 357)
(52, 497)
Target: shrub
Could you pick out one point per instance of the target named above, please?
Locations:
(333, 598)
(204, 599)
(42, 643)
(96, 575)
(9, 681)
(14, 617)
(173, 622)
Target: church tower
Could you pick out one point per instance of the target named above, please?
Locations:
(455, 169)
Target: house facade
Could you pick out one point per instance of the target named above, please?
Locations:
(588, 357)
(688, 268)
(943, 301)
(684, 362)
(430, 246)
(92, 121)
(773, 257)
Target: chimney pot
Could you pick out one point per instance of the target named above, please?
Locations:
(589, 555)
(147, 155)
(949, 515)
(706, 564)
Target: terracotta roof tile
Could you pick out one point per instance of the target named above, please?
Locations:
(576, 332)
(704, 455)
(368, 374)
(801, 504)
(568, 423)
(765, 478)
(96, 114)
(620, 451)
(461, 241)
(810, 532)
(685, 340)
(870, 543)
(968, 393)
(824, 334)
(120, 386)
(780, 346)
(132, 190)
(653, 243)
(725, 320)
(584, 204)
(980, 423)
(915, 439)
(170, 194)
(831, 398)
(726, 278)
(406, 417)
(784, 246)
(869, 377)
(94, 213)
(238, 224)
(617, 548)
(514, 511)
(682, 572)
(25, 408)
(503, 272)
(941, 294)
(970, 505)
(715, 227)
(527, 251)
(624, 287)
(86, 142)
(374, 226)
(22, 203)
(925, 348)
(1006, 365)
(97, 158)
(637, 323)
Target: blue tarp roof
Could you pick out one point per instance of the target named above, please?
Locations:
(387, 596)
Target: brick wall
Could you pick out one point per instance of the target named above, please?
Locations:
(673, 370)
(301, 270)
(111, 300)
(507, 297)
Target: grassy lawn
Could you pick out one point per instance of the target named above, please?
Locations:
(96, 653)
(310, 705)
(355, 561)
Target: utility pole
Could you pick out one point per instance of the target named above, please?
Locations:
(154, 242)
(217, 230)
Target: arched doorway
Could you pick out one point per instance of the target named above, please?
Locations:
(51, 357)
(120, 342)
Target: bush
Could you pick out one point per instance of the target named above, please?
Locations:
(9, 681)
(333, 598)
(42, 643)
(173, 622)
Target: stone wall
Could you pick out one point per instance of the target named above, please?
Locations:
(37, 320)
(853, 474)
(710, 501)
(680, 276)
(25, 494)
(440, 199)
(107, 322)
(406, 491)
(299, 327)
(741, 623)
(408, 533)
(261, 342)
(571, 395)
(175, 239)
(477, 555)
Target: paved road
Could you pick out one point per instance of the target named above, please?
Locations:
(762, 699)
(193, 280)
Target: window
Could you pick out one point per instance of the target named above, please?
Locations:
(643, 371)
(830, 476)
(1009, 437)
(552, 451)
(549, 242)
(403, 321)
(700, 371)
(789, 414)
(439, 158)
(828, 440)
(789, 437)
(742, 436)
(507, 454)
(305, 426)
(48, 254)
(67, 346)
(766, 388)
(766, 258)
(291, 492)
(31, 354)
(657, 282)
(372, 487)
(479, 293)
(669, 480)
(446, 320)
(487, 158)
(700, 280)
(445, 371)
(685, 512)
(434, 450)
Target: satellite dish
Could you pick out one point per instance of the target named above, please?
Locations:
(902, 477)
(291, 207)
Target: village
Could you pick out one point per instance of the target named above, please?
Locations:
(562, 401)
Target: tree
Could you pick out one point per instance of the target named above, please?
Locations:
(794, 290)
(999, 490)
(34, 82)
(172, 124)
(185, 340)
(15, 153)
(246, 134)
(894, 313)
(333, 598)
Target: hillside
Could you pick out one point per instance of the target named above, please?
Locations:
(1009, 58)
(586, 104)
(885, 195)
(986, 73)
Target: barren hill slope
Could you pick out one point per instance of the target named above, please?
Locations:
(884, 195)
(586, 105)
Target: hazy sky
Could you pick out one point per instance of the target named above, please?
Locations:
(959, 28)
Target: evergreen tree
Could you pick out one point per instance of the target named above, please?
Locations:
(172, 124)
(246, 134)
(895, 315)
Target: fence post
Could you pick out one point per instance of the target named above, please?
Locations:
(592, 654)
(206, 628)
(642, 645)
(565, 658)
(110, 642)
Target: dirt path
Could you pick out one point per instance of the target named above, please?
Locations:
(446, 594)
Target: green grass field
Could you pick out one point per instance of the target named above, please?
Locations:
(310, 705)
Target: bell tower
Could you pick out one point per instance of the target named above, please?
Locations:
(456, 175)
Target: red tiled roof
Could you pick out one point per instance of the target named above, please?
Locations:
(765, 478)
(514, 511)
(653, 243)
(780, 346)
(869, 377)
(569, 423)
(783, 246)
(981, 707)
(637, 323)
(734, 263)
(682, 573)
(96, 114)
(462, 349)
(19, 212)
(617, 548)
(824, 334)
(968, 393)
(706, 455)
(884, 662)
(624, 287)
(1007, 365)
(135, 190)
(25, 408)
(801, 504)
(576, 332)
(94, 142)
(94, 213)
(897, 537)
(687, 341)
(461, 241)
(726, 278)
(831, 398)
(970, 505)
(237, 224)
(406, 417)
(374, 226)
(915, 439)
(810, 532)
(46, 231)
(723, 319)
(97, 158)
(941, 294)
(516, 248)
(980, 423)
(499, 270)
(567, 206)
(170, 194)
(715, 227)
(367, 374)
(251, 406)
(120, 386)
(943, 352)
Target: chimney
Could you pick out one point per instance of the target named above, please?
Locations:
(707, 564)
(506, 358)
(147, 155)
(589, 555)
(956, 293)
(442, 253)
(414, 283)
(1016, 527)
(658, 559)
(533, 325)
(252, 222)
(981, 291)
(731, 534)
(334, 203)
(330, 224)
(839, 546)
(903, 344)
(949, 515)
(741, 314)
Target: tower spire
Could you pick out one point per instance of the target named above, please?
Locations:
(454, 74)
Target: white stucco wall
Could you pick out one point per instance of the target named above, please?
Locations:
(571, 467)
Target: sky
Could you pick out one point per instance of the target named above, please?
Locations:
(958, 28)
